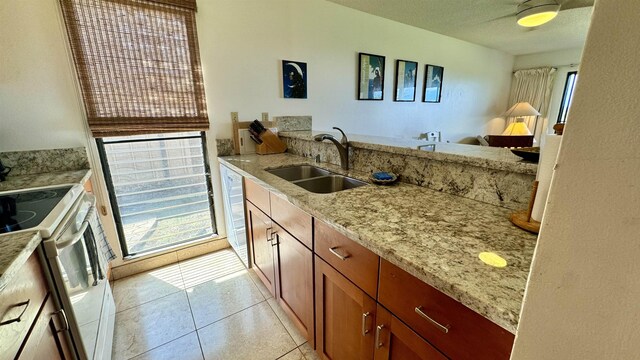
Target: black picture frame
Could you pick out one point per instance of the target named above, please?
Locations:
(370, 76)
(405, 81)
(294, 79)
(433, 79)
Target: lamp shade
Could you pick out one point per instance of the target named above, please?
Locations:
(521, 109)
(517, 127)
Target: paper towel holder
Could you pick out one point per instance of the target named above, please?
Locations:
(523, 219)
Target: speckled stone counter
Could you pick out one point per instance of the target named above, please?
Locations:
(16, 249)
(45, 179)
(433, 235)
(474, 155)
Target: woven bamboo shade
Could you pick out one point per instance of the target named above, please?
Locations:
(138, 64)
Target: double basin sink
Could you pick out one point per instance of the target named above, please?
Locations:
(316, 180)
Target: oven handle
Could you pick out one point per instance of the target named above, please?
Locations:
(77, 236)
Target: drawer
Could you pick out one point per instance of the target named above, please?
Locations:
(21, 299)
(454, 329)
(295, 221)
(351, 259)
(258, 195)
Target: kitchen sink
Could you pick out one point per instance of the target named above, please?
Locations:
(329, 184)
(299, 172)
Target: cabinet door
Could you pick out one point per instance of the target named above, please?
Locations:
(45, 341)
(396, 341)
(261, 246)
(295, 281)
(345, 316)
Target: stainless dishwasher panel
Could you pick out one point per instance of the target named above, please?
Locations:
(233, 195)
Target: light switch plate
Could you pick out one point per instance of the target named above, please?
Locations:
(247, 146)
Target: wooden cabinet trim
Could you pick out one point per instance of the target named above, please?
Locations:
(470, 335)
(22, 297)
(295, 282)
(389, 328)
(293, 219)
(257, 195)
(361, 266)
(262, 252)
(366, 305)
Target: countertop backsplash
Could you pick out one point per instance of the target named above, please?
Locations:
(491, 175)
(45, 161)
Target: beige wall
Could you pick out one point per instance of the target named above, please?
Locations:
(243, 42)
(581, 301)
(39, 106)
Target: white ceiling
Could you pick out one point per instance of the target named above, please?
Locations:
(485, 22)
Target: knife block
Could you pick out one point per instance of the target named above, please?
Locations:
(271, 144)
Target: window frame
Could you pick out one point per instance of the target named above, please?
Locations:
(563, 112)
(114, 202)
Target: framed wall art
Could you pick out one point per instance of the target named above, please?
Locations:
(371, 77)
(432, 84)
(406, 72)
(294, 79)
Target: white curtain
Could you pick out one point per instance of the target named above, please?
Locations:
(533, 86)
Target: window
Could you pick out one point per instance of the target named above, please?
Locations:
(138, 65)
(159, 187)
(567, 96)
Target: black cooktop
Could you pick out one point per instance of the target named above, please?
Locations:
(24, 210)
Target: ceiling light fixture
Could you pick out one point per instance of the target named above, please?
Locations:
(533, 13)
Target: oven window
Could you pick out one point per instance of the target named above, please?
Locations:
(160, 189)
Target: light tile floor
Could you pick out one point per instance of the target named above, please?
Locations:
(209, 307)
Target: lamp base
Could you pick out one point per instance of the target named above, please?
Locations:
(522, 220)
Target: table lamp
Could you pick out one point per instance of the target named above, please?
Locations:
(519, 111)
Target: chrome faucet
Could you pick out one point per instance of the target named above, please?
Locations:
(342, 145)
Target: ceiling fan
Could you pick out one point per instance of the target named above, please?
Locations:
(532, 13)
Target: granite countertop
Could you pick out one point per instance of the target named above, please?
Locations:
(474, 155)
(45, 179)
(435, 236)
(15, 248)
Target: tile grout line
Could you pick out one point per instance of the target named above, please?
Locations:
(163, 344)
(149, 301)
(282, 323)
(193, 319)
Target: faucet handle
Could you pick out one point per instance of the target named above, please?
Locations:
(344, 140)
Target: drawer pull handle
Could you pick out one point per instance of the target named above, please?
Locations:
(273, 237)
(443, 328)
(365, 331)
(340, 256)
(19, 317)
(378, 331)
(65, 321)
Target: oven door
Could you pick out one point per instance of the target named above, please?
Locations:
(79, 272)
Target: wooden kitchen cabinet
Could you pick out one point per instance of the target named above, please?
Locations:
(262, 252)
(294, 284)
(44, 342)
(345, 316)
(396, 341)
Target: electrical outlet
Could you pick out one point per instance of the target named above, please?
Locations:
(265, 117)
(234, 116)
